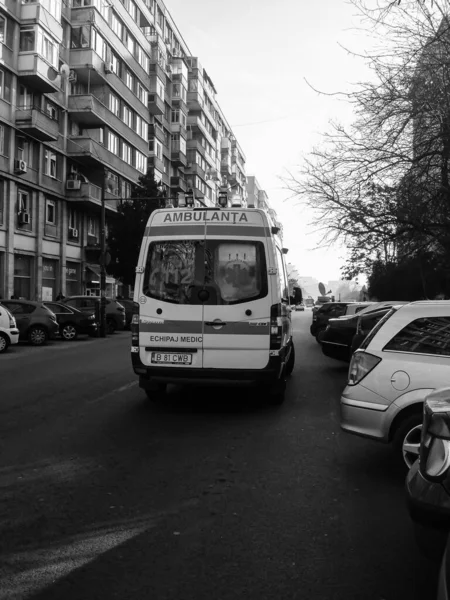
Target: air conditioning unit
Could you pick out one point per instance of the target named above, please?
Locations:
(73, 76)
(20, 166)
(73, 184)
(109, 67)
(24, 218)
(73, 233)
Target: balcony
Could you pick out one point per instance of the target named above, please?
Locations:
(36, 13)
(92, 154)
(196, 145)
(157, 132)
(89, 195)
(225, 166)
(38, 124)
(88, 65)
(157, 163)
(195, 101)
(178, 128)
(155, 104)
(195, 121)
(37, 73)
(195, 169)
(178, 157)
(178, 184)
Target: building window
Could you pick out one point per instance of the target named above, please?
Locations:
(113, 143)
(25, 98)
(2, 201)
(49, 270)
(126, 153)
(80, 37)
(50, 163)
(129, 80)
(50, 212)
(48, 49)
(27, 40)
(141, 162)
(73, 279)
(141, 93)
(158, 150)
(114, 104)
(127, 116)
(51, 111)
(2, 30)
(22, 276)
(116, 25)
(73, 219)
(126, 189)
(5, 85)
(112, 183)
(175, 117)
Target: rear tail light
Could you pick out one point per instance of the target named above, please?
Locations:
(276, 327)
(135, 325)
(435, 446)
(12, 322)
(362, 363)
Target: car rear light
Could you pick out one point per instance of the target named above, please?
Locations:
(361, 364)
(135, 325)
(91, 317)
(276, 327)
(12, 322)
(435, 446)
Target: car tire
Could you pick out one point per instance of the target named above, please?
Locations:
(319, 335)
(407, 435)
(4, 342)
(291, 361)
(69, 332)
(37, 335)
(157, 393)
(111, 326)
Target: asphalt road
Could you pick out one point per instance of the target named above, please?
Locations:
(212, 495)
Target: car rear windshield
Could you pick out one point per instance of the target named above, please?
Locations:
(231, 272)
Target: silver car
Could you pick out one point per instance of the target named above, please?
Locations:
(404, 358)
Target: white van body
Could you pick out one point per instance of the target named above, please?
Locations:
(9, 334)
(211, 300)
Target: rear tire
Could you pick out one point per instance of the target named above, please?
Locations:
(111, 326)
(69, 332)
(407, 436)
(158, 393)
(37, 336)
(4, 343)
(319, 335)
(291, 361)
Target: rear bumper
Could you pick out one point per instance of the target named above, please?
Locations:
(429, 508)
(366, 417)
(337, 351)
(150, 375)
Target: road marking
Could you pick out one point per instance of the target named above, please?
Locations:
(123, 388)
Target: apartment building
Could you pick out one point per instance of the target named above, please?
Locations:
(92, 94)
(258, 198)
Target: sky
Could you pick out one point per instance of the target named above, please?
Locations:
(260, 54)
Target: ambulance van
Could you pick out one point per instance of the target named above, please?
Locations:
(211, 302)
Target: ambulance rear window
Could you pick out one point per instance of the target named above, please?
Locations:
(231, 272)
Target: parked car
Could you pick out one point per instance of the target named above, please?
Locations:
(300, 306)
(9, 334)
(331, 310)
(72, 321)
(35, 322)
(115, 312)
(428, 480)
(404, 358)
(345, 334)
(128, 305)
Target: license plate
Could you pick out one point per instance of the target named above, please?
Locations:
(171, 358)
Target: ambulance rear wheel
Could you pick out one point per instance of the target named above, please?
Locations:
(291, 361)
(157, 393)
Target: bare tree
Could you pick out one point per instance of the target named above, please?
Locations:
(383, 183)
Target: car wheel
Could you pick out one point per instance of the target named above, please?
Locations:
(291, 361)
(407, 439)
(37, 336)
(111, 326)
(319, 335)
(157, 393)
(69, 332)
(4, 342)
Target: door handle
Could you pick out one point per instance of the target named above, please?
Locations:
(215, 323)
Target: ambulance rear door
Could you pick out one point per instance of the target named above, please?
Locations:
(237, 312)
(171, 314)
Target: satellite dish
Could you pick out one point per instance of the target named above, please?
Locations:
(322, 289)
(52, 74)
(65, 70)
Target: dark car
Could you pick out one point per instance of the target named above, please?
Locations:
(72, 322)
(299, 306)
(128, 305)
(115, 312)
(332, 310)
(428, 482)
(343, 336)
(35, 322)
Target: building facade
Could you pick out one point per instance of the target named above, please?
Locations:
(92, 94)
